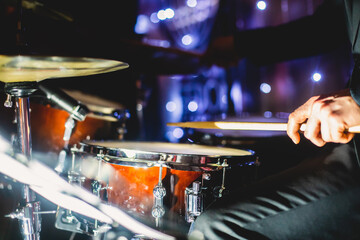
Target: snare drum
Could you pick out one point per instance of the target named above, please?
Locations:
(106, 121)
(158, 178)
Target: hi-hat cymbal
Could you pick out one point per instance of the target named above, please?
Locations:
(37, 68)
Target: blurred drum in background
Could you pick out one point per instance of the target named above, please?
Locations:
(106, 120)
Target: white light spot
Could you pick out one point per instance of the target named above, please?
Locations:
(142, 24)
(169, 13)
(187, 39)
(265, 88)
(170, 106)
(111, 235)
(154, 18)
(161, 15)
(193, 106)
(261, 5)
(139, 107)
(178, 133)
(191, 3)
(316, 77)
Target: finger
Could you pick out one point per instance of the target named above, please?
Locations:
(327, 126)
(313, 132)
(313, 126)
(338, 130)
(346, 137)
(293, 128)
(326, 134)
(296, 118)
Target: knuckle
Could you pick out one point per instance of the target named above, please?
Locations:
(291, 116)
(317, 105)
(313, 98)
(326, 138)
(326, 110)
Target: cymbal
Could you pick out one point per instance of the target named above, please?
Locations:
(21, 68)
(257, 126)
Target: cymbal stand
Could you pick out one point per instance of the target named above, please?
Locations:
(29, 213)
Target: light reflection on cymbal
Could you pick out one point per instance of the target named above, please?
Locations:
(37, 68)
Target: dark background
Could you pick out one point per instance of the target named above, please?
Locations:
(110, 29)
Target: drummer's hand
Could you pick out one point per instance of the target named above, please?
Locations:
(221, 51)
(327, 119)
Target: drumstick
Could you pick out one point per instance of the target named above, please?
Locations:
(258, 126)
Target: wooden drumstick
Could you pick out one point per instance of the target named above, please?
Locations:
(258, 126)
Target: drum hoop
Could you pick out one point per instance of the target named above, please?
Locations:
(193, 162)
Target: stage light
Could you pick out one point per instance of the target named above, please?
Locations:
(191, 3)
(178, 133)
(154, 18)
(267, 114)
(187, 39)
(139, 107)
(161, 15)
(265, 88)
(170, 106)
(142, 24)
(316, 77)
(193, 106)
(261, 5)
(169, 13)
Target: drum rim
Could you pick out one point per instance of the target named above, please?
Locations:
(180, 161)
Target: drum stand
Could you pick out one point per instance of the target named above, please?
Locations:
(29, 213)
(66, 219)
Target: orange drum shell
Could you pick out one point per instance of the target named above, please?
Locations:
(48, 128)
(132, 188)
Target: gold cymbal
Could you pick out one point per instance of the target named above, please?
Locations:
(21, 68)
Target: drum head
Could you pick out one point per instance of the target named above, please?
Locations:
(173, 155)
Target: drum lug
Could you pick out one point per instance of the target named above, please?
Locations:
(158, 210)
(162, 158)
(100, 155)
(96, 188)
(194, 202)
(206, 176)
(159, 193)
(8, 103)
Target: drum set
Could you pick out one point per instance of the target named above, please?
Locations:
(103, 185)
